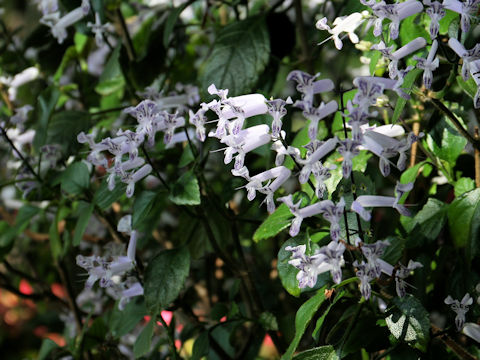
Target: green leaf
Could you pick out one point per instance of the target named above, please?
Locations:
(201, 346)
(239, 56)
(141, 207)
(144, 340)
(274, 223)
(164, 278)
(9, 233)
(409, 321)
(446, 21)
(320, 353)
(430, 220)
(171, 21)
(393, 253)
(124, 321)
(186, 190)
(407, 86)
(469, 86)
(85, 211)
(304, 315)
(46, 348)
(451, 145)
(76, 178)
(55, 243)
(44, 109)
(410, 30)
(112, 79)
(463, 185)
(463, 215)
(268, 321)
(411, 174)
(64, 128)
(321, 319)
(104, 197)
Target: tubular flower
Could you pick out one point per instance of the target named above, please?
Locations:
(307, 85)
(436, 11)
(345, 24)
(402, 273)
(428, 65)
(468, 56)
(460, 308)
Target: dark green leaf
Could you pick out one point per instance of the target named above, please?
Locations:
(8, 233)
(407, 86)
(320, 353)
(304, 315)
(200, 347)
(431, 218)
(186, 190)
(393, 253)
(463, 215)
(321, 319)
(164, 278)
(144, 340)
(124, 321)
(171, 21)
(239, 56)
(409, 321)
(112, 78)
(141, 207)
(76, 178)
(451, 146)
(44, 109)
(104, 197)
(274, 223)
(85, 211)
(64, 128)
(46, 348)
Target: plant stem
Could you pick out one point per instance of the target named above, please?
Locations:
(170, 336)
(25, 162)
(477, 161)
(128, 40)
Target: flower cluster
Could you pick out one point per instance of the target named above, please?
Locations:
(153, 115)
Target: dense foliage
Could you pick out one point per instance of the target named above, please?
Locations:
(219, 180)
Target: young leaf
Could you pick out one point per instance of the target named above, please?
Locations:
(304, 315)
(239, 56)
(186, 190)
(164, 278)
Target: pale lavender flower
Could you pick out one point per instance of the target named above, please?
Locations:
(475, 72)
(364, 277)
(310, 266)
(468, 56)
(368, 91)
(48, 6)
(25, 76)
(472, 330)
(345, 24)
(98, 29)
(436, 11)
(131, 178)
(58, 25)
(315, 114)
(321, 174)
(242, 143)
(169, 124)
(280, 174)
(148, 118)
(132, 290)
(460, 308)
(101, 269)
(198, 120)
(281, 151)
(322, 148)
(333, 213)
(372, 253)
(276, 109)
(395, 13)
(21, 116)
(348, 149)
(466, 9)
(428, 65)
(395, 56)
(307, 85)
(333, 253)
(402, 273)
(382, 201)
(300, 214)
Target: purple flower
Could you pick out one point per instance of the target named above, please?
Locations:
(436, 11)
(460, 308)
